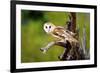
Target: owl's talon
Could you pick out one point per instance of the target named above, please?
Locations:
(43, 50)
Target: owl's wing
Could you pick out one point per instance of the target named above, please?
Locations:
(71, 33)
(66, 31)
(61, 33)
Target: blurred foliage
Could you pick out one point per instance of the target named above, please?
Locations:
(33, 37)
(31, 15)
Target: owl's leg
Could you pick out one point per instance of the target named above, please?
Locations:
(57, 42)
(45, 49)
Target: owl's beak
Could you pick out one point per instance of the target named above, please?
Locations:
(49, 30)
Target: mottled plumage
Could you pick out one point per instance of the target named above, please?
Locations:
(59, 32)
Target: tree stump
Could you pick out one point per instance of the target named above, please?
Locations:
(71, 52)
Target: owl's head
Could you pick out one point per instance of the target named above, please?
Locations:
(49, 27)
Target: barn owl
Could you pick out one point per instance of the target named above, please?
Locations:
(59, 32)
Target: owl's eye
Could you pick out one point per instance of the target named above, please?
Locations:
(49, 26)
(46, 27)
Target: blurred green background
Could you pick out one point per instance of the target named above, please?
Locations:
(33, 36)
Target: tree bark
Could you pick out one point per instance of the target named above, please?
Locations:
(73, 20)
